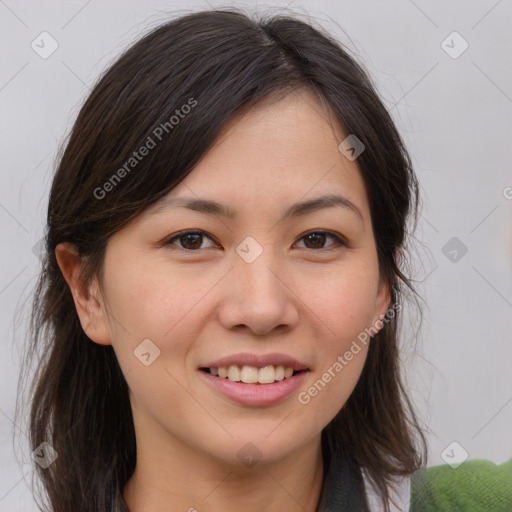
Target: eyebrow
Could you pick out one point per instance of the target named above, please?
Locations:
(211, 207)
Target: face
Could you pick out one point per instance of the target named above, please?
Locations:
(260, 290)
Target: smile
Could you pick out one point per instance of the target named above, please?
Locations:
(252, 374)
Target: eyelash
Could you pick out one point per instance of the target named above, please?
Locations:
(340, 241)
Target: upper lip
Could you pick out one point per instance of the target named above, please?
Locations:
(258, 360)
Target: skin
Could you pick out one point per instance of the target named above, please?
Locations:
(307, 300)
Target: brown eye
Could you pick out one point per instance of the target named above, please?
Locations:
(317, 239)
(189, 240)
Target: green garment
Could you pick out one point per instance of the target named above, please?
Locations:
(475, 486)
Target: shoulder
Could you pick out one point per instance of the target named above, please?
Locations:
(399, 493)
(473, 486)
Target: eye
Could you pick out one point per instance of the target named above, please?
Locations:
(316, 240)
(189, 240)
(192, 240)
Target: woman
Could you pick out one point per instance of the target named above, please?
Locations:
(219, 304)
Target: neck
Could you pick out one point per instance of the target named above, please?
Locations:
(183, 479)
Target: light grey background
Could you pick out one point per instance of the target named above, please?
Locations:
(454, 113)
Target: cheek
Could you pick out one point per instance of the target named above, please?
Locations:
(151, 301)
(344, 303)
(345, 308)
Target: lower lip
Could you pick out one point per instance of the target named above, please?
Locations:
(255, 394)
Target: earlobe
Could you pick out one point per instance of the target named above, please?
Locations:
(382, 305)
(86, 296)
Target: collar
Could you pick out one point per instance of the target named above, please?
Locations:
(343, 486)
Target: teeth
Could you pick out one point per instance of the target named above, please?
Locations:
(266, 375)
(249, 374)
(234, 373)
(253, 375)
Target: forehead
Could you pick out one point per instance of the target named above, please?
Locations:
(279, 151)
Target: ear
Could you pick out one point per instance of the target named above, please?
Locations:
(87, 296)
(382, 304)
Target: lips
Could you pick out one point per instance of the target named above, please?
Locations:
(253, 379)
(254, 394)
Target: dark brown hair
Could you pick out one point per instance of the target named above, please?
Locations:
(219, 62)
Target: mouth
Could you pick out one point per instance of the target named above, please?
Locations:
(254, 380)
(246, 374)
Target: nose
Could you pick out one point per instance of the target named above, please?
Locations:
(258, 298)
